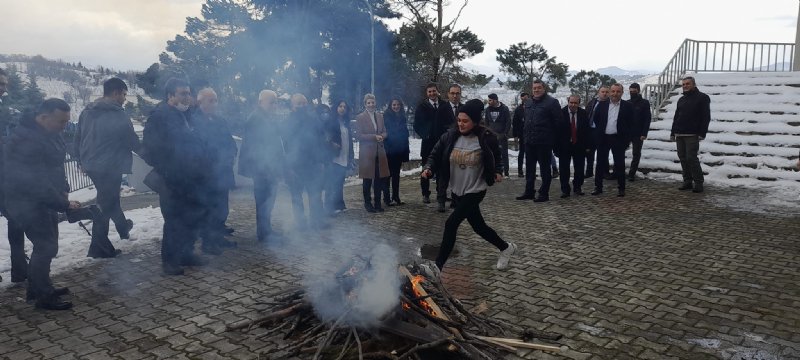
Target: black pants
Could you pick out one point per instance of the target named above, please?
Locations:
(395, 164)
(311, 183)
(265, 190)
(610, 143)
(521, 156)
(376, 184)
(41, 227)
(577, 156)
(590, 162)
(334, 190)
(502, 140)
(182, 217)
(541, 154)
(107, 185)
(425, 151)
(213, 227)
(467, 207)
(16, 242)
(636, 156)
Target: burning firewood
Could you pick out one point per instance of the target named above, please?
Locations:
(427, 322)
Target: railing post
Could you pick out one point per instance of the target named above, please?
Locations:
(796, 60)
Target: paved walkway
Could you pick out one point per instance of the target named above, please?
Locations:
(659, 274)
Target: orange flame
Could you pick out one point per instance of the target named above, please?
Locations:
(415, 287)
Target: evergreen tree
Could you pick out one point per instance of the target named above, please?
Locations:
(587, 83)
(526, 63)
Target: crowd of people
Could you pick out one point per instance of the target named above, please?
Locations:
(310, 147)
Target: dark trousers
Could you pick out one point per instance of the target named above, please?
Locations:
(41, 227)
(16, 243)
(217, 209)
(637, 144)
(107, 185)
(182, 217)
(395, 164)
(521, 156)
(578, 157)
(502, 140)
(538, 153)
(425, 151)
(376, 184)
(467, 207)
(265, 189)
(688, 147)
(311, 184)
(610, 143)
(590, 162)
(334, 191)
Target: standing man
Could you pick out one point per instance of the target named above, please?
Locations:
(498, 118)
(430, 120)
(305, 157)
(104, 144)
(591, 107)
(573, 143)
(16, 235)
(613, 124)
(36, 191)
(221, 150)
(641, 125)
(689, 127)
(177, 157)
(542, 113)
(517, 131)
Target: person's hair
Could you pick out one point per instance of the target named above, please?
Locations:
(50, 105)
(113, 85)
(432, 85)
(172, 85)
(635, 86)
(205, 91)
(454, 85)
(524, 95)
(619, 85)
(539, 81)
(402, 106)
(367, 97)
(335, 110)
(267, 93)
(690, 78)
(493, 96)
(574, 96)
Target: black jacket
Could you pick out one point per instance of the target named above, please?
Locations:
(518, 122)
(34, 170)
(430, 123)
(641, 116)
(105, 138)
(625, 122)
(564, 133)
(439, 160)
(304, 142)
(502, 125)
(220, 148)
(693, 114)
(174, 150)
(541, 116)
(263, 154)
(396, 143)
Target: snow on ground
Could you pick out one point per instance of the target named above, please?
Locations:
(73, 242)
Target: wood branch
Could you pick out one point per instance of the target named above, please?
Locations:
(346, 345)
(429, 345)
(422, 293)
(280, 314)
(521, 344)
(358, 341)
(380, 355)
(452, 23)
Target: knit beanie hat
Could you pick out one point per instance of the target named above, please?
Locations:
(473, 109)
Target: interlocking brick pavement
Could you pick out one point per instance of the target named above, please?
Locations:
(659, 274)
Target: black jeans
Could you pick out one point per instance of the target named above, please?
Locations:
(541, 154)
(107, 185)
(578, 157)
(41, 227)
(502, 140)
(590, 162)
(425, 151)
(213, 227)
(265, 189)
(311, 183)
(636, 156)
(467, 207)
(334, 189)
(16, 242)
(182, 216)
(521, 156)
(610, 143)
(395, 164)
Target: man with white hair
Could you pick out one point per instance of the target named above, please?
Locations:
(220, 148)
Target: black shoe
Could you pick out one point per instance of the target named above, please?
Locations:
(228, 230)
(125, 235)
(631, 178)
(541, 199)
(369, 207)
(397, 201)
(171, 269)
(378, 209)
(426, 199)
(105, 256)
(597, 191)
(520, 175)
(506, 174)
(389, 203)
(564, 195)
(685, 186)
(53, 302)
(609, 177)
(621, 193)
(30, 296)
(440, 208)
(588, 175)
(193, 260)
(698, 188)
(525, 197)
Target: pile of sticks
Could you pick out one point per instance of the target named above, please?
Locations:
(428, 324)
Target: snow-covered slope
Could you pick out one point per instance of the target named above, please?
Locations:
(753, 137)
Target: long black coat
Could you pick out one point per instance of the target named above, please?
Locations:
(220, 148)
(105, 138)
(34, 171)
(541, 116)
(693, 114)
(304, 141)
(564, 133)
(439, 160)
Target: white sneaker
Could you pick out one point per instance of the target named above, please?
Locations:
(505, 256)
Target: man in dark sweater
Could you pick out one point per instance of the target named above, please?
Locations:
(498, 119)
(641, 126)
(689, 127)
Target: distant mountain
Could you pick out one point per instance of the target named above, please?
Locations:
(615, 71)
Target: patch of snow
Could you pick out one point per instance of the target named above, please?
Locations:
(706, 343)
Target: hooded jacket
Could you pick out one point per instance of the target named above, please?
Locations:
(105, 138)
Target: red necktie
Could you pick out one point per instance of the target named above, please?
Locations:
(573, 130)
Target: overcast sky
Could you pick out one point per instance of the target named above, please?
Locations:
(586, 34)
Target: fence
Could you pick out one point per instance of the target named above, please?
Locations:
(718, 56)
(75, 177)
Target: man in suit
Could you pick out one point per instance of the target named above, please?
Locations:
(641, 126)
(431, 119)
(573, 141)
(613, 122)
(591, 108)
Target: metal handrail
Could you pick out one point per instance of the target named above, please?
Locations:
(718, 56)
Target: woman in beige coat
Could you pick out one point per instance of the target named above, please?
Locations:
(373, 167)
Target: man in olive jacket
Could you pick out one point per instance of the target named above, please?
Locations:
(689, 127)
(105, 141)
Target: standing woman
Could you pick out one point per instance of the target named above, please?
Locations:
(468, 159)
(372, 163)
(397, 149)
(341, 139)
